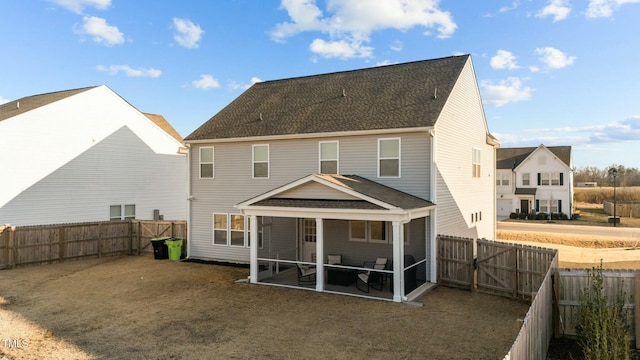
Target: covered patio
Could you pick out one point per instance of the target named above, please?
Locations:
(342, 234)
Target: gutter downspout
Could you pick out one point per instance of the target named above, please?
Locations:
(189, 200)
(433, 190)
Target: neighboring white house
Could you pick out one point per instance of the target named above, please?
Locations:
(87, 155)
(365, 164)
(536, 179)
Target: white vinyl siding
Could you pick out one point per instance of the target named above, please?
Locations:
(260, 161)
(389, 157)
(206, 162)
(328, 151)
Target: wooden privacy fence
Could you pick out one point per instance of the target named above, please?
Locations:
(26, 245)
(573, 281)
(511, 270)
(623, 208)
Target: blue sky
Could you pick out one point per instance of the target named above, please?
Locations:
(556, 72)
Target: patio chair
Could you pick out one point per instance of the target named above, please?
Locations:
(372, 279)
(306, 274)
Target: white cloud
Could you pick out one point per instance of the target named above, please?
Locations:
(349, 23)
(506, 91)
(129, 71)
(514, 5)
(187, 33)
(397, 46)
(553, 58)
(234, 85)
(3, 100)
(101, 32)
(77, 6)
(205, 82)
(504, 60)
(605, 8)
(340, 49)
(385, 62)
(559, 9)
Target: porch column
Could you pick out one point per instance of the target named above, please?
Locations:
(398, 261)
(253, 250)
(319, 255)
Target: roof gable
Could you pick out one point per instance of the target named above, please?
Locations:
(349, 191)
(386, 97)
(511, 158)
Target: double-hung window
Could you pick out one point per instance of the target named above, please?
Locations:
(389, 157)
(526, 181)
(261, 161)
(234, 230)
(206, 162)
(475, 163)
(220, 222)
(328, 157)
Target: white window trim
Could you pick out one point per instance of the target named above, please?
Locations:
(399, 158)
(476, 161)
(367, 233)
(213, 229)
(124, 211)
(200, 163)
(228, 230)
(528, 180)
(113, 218)
(337, 159)
(253, 161)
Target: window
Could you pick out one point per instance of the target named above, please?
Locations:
(544, 207)
(234, 230)
(357, 230)
(389, 157)
(237, 230)
(502, 180)
(554, 178)
(526, 181)
(129, 212)
(260, 161)
(369, 231)
(328, 157)
(220, 229)
(206, 163)
(116, 212)
(475, 161)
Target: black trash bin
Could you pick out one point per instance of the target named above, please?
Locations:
(160, 251)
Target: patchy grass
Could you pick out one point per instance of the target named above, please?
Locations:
(599, 194)
(594, 215)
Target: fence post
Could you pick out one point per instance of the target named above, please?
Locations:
(636, 298)
(11, 253)
(139, 237)
(99, 240)
(62, 247)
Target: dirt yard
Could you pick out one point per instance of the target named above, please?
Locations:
(136, 307)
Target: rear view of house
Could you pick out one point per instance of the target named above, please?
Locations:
(534, 179)
(87, 155)
(329, 173)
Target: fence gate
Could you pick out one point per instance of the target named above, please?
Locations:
(497, 268)
(455, 261)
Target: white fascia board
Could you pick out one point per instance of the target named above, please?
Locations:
(337, 214)
(313, 135)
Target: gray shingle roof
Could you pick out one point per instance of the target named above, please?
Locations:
(384, 97)
(29, 103)
(510, 158)
(360, 185)
(526, 191)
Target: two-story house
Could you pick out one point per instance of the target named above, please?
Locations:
(536, 179)
(87, 155)
(362, 165)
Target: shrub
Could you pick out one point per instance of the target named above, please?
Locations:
(532, 215)
(522, 216)
(542, 216)
(513, 216)
(601, 327)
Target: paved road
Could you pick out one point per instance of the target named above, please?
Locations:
(622, 232)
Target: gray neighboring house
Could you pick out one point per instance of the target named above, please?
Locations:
(536, 179)
(364, 164)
